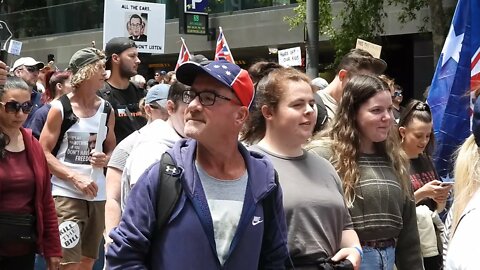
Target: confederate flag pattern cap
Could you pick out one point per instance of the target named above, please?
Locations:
(224, 72)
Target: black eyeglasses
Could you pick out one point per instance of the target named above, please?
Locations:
(15, 107)
(31, 69)
(207, 98)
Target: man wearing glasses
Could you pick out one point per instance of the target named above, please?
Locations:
(230, 212)
(136, 28)
(28, 69)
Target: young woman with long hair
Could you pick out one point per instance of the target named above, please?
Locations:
(28, 223)
(415, 130)
(364, 149)
(463, 246)
(282, 120)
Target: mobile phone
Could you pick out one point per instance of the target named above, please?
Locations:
(446, 184)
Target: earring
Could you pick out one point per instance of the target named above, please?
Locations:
(402, 140)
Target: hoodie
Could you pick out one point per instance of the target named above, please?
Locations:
(187, 240)
(154, 139)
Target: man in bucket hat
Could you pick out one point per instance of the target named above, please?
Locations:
(230, 213)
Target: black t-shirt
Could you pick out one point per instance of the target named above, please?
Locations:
(125, 102)
(422, 172)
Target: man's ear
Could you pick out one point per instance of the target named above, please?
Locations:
(342, 74)
(170, 107)
(115, 57)
(148, 111)
(242, 115)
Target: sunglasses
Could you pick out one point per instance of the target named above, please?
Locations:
(15, 107)
(397, 94)
(31, 69)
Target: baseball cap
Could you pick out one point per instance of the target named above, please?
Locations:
(116, 46)
(476, 121)
(28, 61)
(321, 83)
(84, 57)
(224, 72)
(201, 59)
(159, 94)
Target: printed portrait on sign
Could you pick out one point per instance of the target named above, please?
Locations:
(136, 26)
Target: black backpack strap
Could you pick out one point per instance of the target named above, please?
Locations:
(69, 119)
(107, 108)
(322, 115)
(169, 189)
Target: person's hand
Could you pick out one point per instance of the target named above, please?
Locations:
(98, 159)
(441, 194)
(53, 263)
(3, 73)
(350, 254)
(86, 185)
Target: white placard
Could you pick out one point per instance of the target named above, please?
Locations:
(101, 135)
(374, 49)
(290, 57)
(140, 21)
(15, 47)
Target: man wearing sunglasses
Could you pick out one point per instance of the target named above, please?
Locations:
(229, 214)
(28, 69)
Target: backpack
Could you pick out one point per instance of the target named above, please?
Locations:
(322, 115)
(69, 119)
(170, 188)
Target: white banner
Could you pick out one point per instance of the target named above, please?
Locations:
(290, 57)
(142, 22)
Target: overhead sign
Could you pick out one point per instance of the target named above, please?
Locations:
(142, 22)
(5, 35)
(196, 24)
(374, 49)
(195, 6)
(15, 47)
(290, 57)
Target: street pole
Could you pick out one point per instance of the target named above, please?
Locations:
(312, 39)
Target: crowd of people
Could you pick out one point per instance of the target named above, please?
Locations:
(217, 167)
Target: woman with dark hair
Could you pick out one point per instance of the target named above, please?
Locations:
(28, 223)
(282, 120)
(415, 129)
(365, 151)
(58, 84)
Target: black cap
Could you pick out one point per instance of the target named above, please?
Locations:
(116, 46)
(200, 59)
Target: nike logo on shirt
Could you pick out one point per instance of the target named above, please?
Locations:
(256, 220)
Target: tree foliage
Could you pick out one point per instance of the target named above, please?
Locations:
(359, 19)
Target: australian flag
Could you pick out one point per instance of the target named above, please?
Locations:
(456, 75)
(222, 51)
(184, 54)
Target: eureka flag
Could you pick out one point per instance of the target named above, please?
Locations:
(222, 51)
(184, 54)
(456, 75)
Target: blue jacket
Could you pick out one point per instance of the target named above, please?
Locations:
(187, 240)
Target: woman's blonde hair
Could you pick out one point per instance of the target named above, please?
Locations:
(466, 174)
(345, 137)
(86, 72)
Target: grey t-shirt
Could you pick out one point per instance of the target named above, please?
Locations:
(225, 201)
(314, 206)
(330, 104)
(122, 151)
